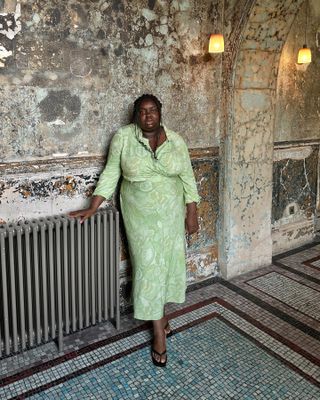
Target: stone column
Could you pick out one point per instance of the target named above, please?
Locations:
(246, 226)
(247, 141)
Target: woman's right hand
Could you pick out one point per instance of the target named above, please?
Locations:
(83, 214)
(88, 212)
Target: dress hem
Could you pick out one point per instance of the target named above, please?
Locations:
(153, 317)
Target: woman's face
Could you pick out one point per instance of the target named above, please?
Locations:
(149, 116)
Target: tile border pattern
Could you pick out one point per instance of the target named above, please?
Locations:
(296, 251)
(279, 273)
(38, 379)
(309, 263)
(273, 310)
(287, 304)
(51, 373)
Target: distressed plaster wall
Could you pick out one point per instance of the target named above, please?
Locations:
(76, 67)
(298, 87)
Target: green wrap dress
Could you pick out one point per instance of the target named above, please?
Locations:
(153, 194)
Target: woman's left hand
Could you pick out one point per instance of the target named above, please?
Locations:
(192, 225)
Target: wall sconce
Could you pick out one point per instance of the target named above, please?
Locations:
(216, 43)
(304, 55)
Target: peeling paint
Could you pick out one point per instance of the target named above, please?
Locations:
(10, 26)
(3, 55)
(201, 265)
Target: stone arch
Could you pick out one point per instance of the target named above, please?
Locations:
(248, 107)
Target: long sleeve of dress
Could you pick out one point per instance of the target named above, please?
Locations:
(110, 176)
(188, 180)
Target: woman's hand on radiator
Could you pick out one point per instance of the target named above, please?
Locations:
(88, 212)
(83, 214)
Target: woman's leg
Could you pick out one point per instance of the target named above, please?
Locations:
(159, 339)
(166, 325)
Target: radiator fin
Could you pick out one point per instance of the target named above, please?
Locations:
(57, 276)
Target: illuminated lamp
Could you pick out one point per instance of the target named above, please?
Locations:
(216, 43)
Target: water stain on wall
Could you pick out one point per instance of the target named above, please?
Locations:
(60, 105)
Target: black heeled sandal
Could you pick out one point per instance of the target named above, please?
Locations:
(156, 362)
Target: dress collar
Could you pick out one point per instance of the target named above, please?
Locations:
(141, 138)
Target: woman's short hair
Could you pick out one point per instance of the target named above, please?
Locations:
(137, 104)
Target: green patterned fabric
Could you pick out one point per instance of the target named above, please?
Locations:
(154, 191)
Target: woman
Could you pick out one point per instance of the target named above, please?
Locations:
(158, 199)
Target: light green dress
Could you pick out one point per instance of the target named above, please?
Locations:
(153, 195)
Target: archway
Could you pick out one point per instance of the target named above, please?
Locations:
(249, 86)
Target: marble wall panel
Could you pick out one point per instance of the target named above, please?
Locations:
(207, 176)
(295, 186)
(294, 198)
(202, 265)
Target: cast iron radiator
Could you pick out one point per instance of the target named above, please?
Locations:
(57, 277)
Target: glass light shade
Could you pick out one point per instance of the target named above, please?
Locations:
(304, 55)
(216, 43)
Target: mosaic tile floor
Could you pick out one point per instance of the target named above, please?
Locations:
(254, 337)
